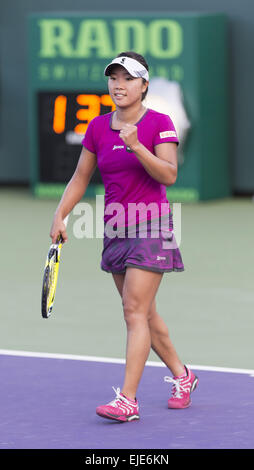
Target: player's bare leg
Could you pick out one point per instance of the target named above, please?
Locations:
(139, 290)
(162, 344)
(147, 327)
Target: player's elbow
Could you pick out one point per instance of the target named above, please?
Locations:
(171, 177)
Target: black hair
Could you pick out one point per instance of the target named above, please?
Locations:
(141, 60)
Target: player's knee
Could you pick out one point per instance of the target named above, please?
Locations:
(152, 313)
(133, 311)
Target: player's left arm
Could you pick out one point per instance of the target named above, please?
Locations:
(167, 152)
(163, 165)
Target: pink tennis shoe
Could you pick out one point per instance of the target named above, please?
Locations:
(124, 409)
(120, 409)
(182, 388)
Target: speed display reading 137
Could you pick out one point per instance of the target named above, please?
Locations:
(62, 123)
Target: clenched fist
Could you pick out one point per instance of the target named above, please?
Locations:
(129, 134)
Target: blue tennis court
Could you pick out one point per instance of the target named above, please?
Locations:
(49, 403)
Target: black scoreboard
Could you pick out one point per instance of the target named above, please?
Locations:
(63, 118)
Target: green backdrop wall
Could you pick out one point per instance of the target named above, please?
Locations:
(14, 129)
(68, 53)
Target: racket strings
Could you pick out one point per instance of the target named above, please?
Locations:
(52, 280)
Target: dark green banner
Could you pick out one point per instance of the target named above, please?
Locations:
(67, 88)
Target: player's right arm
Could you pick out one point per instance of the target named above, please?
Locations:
(74, 191)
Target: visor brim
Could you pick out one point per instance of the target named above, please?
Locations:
(110, 67)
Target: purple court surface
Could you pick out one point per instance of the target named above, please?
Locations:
(50, 403)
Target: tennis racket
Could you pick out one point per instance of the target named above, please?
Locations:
(50, 278)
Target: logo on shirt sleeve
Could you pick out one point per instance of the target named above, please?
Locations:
(165, 134)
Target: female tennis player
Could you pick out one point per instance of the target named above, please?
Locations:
(136, 152)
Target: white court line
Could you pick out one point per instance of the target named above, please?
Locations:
(113, 360)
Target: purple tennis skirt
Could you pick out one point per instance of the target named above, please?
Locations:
(150, 246)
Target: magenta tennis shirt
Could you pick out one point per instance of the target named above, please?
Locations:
(127, 183)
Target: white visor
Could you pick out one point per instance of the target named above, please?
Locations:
(132, 66)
